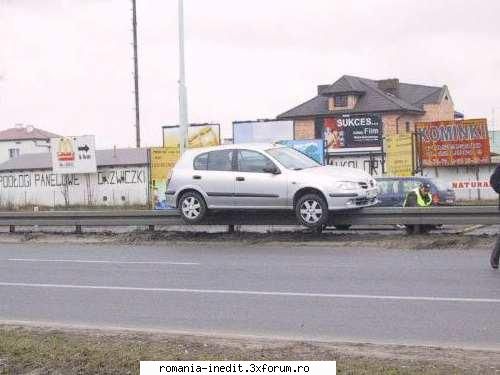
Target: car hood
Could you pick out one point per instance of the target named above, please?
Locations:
(337, 173)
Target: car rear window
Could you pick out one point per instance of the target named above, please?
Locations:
(441, 185)
(201, 162)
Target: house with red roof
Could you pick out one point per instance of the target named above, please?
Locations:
(23, 139)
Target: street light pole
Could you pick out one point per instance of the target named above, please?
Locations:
(136, 78)
(183, 109)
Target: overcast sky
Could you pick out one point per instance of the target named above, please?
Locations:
(66, 65)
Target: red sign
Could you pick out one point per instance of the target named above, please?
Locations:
(448, 143)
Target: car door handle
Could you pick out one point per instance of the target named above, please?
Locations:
(196, 177)
(240, 178)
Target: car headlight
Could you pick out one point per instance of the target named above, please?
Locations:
(348, 185)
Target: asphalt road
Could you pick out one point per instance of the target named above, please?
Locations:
(426, 297)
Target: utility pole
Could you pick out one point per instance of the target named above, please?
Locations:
(183, 109)
(136, 78)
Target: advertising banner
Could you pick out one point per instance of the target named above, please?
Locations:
(72, 155)
(485, 184)
(363, 132)
(451, 143)
(267, 131)
(313, 148)
(161, 162)
(303, 129)
(399, 155)
(199, 135)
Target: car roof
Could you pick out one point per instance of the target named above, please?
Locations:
(252, 146)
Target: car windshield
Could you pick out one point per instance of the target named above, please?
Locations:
(292, 159)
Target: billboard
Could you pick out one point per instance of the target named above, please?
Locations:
(399, 155)
(353, 133)
(199, 135)
(161, 162)
(73, 154)
(304, 129)
(451, 143)
(264, 131)
(313, 148)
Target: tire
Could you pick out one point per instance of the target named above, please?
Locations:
(192, 207)
(311, 211)
(342, 226)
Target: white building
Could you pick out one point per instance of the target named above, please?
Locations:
(122, 179)
(23, 140)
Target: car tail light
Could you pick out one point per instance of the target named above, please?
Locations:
(435, 199)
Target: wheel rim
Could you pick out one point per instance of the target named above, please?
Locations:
(191, 207)
(311, 211)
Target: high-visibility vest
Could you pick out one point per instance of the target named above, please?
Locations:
(420, 200)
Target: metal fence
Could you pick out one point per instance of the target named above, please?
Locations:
(486, 215)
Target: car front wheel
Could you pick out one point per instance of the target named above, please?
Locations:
(192, 207)
(311, 211)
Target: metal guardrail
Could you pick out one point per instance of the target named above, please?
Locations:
(486, 215)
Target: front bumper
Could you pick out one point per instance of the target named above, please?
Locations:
(352, 199)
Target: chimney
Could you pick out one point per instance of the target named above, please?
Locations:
(322, 88)
(389, 86)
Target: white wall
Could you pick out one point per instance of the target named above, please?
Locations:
(25, 147)
(448, 175)
(358, 162)
(116, 186)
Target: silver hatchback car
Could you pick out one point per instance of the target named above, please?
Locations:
(265, 177)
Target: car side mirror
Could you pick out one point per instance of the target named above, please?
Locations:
(272, 170)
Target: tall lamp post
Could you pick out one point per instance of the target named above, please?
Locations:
(136, 78)
(183, 108)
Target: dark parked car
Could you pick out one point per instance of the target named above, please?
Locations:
(393, 190)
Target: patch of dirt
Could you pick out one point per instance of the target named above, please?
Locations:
(395, 240)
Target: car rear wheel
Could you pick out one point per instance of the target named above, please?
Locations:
(192, 207)
(311, 211)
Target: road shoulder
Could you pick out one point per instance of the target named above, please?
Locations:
(26, 349)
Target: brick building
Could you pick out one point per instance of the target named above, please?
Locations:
(398, 105)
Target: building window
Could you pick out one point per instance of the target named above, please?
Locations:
(340, 101)
(13, 153)
(407, 124)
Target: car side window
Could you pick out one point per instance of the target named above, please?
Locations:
(220, 160)
(251, 161)
(200, 163)
(410, 185)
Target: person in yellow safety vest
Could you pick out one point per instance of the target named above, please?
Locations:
(419, 197)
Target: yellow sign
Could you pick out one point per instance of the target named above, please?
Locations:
(399, 155)
(198, 136)
(162, 161)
